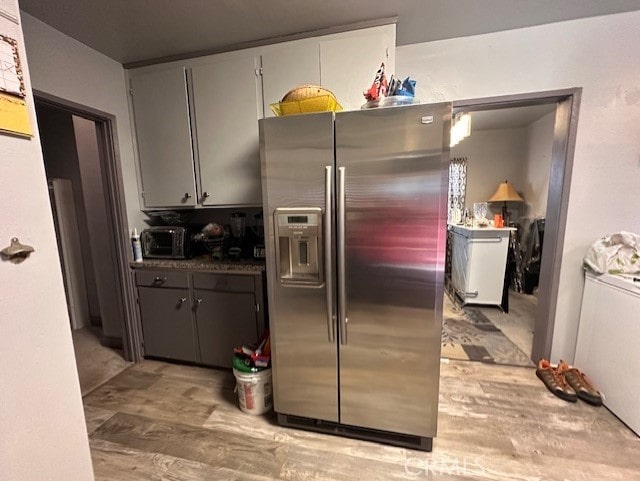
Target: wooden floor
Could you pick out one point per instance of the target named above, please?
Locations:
(159, 421)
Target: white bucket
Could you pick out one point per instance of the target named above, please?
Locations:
(255, 392)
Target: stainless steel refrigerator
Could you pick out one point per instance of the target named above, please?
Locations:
(355, 231)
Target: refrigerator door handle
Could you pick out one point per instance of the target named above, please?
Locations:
(342, 288)
(328, 261)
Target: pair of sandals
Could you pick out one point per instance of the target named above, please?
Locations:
(568, 383)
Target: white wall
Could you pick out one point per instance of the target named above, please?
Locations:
(64, 67)
(537, 167)
(493, 156)
(42, 430)
(602, 56)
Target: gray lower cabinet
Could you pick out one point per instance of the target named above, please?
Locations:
(199, 317)
(167, 323)
(225, 320)
(228, 313)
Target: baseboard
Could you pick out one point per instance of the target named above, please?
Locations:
(326, 427)
(112, 342)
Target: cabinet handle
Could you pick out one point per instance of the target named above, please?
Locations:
(159, 280)
(328, 258)
(342, 283)
(187, 195)
(183, 300)
(198, 301)
(486, 240)
(205, 195)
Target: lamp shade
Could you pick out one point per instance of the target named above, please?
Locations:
(506, 193)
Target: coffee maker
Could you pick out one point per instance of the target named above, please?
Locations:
(257, 230)
(238, 226)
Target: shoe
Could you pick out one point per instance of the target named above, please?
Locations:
(554, 381)
(581, 385)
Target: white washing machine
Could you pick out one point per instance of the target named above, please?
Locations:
(607, 349)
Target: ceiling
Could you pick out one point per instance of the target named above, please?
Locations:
(135, 30)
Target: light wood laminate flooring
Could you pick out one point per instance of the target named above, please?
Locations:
(518, 324)
(160, 421)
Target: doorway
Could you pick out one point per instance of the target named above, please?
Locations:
(80, 164)
(525, 140)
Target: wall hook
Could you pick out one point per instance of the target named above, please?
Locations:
(16, 252)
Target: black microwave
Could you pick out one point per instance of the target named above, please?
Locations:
(164, 242)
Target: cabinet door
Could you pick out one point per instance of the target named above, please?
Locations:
(286, 66)
(163, 132)
(348, 65)
(167, 323)
(225, 320)
(227, 107)
(487, 263)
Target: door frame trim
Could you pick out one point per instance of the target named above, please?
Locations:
(111, 167)
(564, 140)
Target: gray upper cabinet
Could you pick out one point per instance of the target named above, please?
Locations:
(163, 132)
(286, 66)
(227, 105)
(196, 120)
(345, 63)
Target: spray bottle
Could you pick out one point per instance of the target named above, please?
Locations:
(137, 246)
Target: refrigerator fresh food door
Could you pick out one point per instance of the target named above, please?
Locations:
(391, 212)
(297, 158)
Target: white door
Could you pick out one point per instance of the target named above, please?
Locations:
(41, 420)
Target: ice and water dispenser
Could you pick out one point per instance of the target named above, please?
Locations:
(299, 246)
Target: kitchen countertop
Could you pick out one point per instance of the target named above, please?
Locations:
(204, 264)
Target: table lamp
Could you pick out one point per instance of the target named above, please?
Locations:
(506, 192)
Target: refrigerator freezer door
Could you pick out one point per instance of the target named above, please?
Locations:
(393, 163)
(297, 157)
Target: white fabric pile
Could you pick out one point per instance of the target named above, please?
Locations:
(617, 253)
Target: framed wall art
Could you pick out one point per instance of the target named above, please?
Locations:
(14, 115)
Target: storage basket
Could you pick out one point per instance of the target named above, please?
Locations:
(306, 99)
(320, 103)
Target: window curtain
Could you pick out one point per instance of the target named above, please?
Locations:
(456, 198)
(457, 185)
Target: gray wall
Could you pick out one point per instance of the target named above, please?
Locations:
(494, 156)
(43, 435)
(599, 54)
(535, 186)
